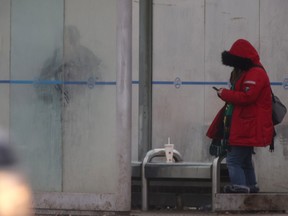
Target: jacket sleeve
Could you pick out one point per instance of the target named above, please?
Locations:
(215, 131)
(249, 88)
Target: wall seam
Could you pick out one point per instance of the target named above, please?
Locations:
(62, 109)
(204, 66)
(259, 26)
(10, 57)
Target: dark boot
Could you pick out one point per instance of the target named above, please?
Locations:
(236, 189)
(254, 189)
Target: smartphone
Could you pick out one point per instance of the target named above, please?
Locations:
(216, 89)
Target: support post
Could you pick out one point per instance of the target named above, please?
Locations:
(123, 103)
(216, 179)
(145, 78)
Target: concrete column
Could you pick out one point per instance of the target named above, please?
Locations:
(124, 105)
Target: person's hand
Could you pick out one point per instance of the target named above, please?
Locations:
(219, 92)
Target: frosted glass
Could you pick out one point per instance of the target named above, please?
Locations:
(178, 50)
(89, 119)
(4, 62)
(36, 34)
(63, 93)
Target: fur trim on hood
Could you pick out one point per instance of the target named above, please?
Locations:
(242, 55)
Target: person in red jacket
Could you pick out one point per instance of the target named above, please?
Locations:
(247, 115)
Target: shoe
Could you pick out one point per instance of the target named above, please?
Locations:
(254, 189)
(236, 189)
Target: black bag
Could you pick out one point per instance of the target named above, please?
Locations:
(217, 148)
(278, 110)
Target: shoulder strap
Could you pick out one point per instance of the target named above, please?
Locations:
(260, 66)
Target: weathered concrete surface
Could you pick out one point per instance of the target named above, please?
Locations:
(190, 213)
(252, 202)
(151, 213)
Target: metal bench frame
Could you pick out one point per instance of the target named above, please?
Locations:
(149, 156)
(220, 201)
(160, 152)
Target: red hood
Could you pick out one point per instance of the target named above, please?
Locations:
(242, 48)
(241, 55)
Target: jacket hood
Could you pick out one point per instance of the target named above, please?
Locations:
(241, 55)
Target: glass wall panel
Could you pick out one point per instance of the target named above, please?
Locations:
(274, 55)
(63, 93)
(178, 57)
(4, 62)
(36, 53)
(135, 78)
(89, 113)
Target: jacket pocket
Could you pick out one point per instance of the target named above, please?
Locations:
(247, 127)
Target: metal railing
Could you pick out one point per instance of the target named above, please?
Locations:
(148, 158)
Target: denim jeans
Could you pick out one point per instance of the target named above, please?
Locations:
(240, 166)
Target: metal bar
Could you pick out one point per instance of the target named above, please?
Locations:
(149, 156)
(145, 77)
(123, 103)
(215, 179)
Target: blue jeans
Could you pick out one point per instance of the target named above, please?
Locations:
(240, 166)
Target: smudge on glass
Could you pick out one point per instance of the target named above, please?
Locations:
(76, 64)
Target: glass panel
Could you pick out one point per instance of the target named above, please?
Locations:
(274, 54)
(36, 53)
(63, 95)
(135, 78)
(89, 115)
(4, 61)
(178, 58)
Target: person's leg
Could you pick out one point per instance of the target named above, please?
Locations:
(234, 162)
(250, 172)
(249, 168)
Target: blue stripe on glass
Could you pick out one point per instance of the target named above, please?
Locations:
(163, 82)
(277, 83)
(58, 82)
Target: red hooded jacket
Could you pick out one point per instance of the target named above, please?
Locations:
(251, 123)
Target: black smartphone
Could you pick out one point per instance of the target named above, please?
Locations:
(216, 89)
